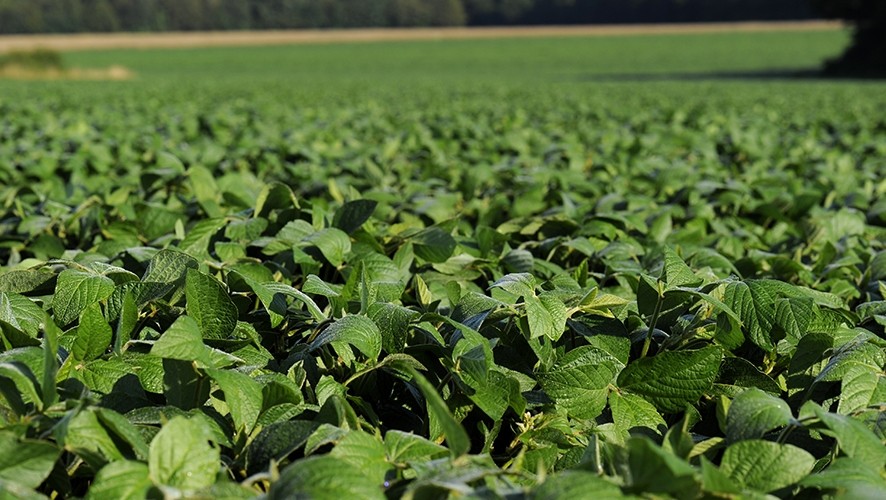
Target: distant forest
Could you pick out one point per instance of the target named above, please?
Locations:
(71, 16)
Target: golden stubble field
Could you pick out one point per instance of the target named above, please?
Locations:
(103, 41)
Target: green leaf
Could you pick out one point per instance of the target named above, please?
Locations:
(358, 331)
(715, 481)
(25, 281)
(456, 437)
(579, 381)
(85, 436)
(519, 284)
(273, 297)
(433, 244)
(276, 442)
(169, 267)
(26, 386)
(393, 323)
(181, 455)
(205, 190)
(766, 466)
(333, 243)
(274, 196)
(631, 414)
(753, 413)
(210, 305)
(859, 389)
(365, 452)
(856, 441)
(93, 335)
(546, 315)
(794, 315)
(25, 462)
(402, 448)
(754, 302)
(849, 477)
(676, 273)
(75, 290)
(123, 480)
(576, 484)
(673, 379)
(183, 341)
(243, 395)
(196, 243)
(21, 313)
(653, 470)
(325, 478)
(353, 214)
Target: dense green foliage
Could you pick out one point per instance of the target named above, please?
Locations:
(485, 275)
(65, 16)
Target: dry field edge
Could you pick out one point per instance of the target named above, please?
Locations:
(100, 41)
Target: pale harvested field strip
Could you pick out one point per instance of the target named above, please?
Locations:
(99, 41)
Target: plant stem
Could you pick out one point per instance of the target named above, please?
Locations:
(655, 313)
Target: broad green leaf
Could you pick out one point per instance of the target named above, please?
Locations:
(856, 441)
(325, 478)
(75, 290)
(673, 379)
(579, 382)
(653, 470)
(210, 305)
(276, 442)
(848, 477)
(794, 315)
(196, 243)
(333, 243)
(93, 335)
(169, 267)
(353, 214)
(519, 284)
(766, 466)
(433, 244)
(25, 386)
(859, 389)
(182, 456)
(85, 436)
(715, 481)
(393, 323)
(183, 341)
(365, 452)
(358, 331)
(753, 413)
(754, 302)
(205, 190)
(25, 462)
(546, 315)
(25, 281)
(21, 313)
(274, 196)
(576, 484)
(270, 291)
(402, 448)
(124, 480)
(243, 396)
(632, 414)
(455, 435)
(676, 273)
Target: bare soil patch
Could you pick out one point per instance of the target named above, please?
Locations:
(14, 72)
(97, 41)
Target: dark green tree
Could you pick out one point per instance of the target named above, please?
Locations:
(866, 56)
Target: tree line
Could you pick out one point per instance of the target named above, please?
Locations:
(72, 16)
